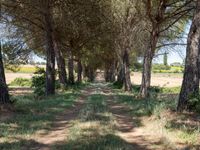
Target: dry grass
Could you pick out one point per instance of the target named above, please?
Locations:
(159, 79)
(11, 76)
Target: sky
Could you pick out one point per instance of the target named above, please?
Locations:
(179, 52)
(172, 57)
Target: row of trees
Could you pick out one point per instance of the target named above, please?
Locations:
(103, 34)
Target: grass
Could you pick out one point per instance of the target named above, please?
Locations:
(23, 69)
(180, 128)
(95, 128)
(31, 116)
(21, 82)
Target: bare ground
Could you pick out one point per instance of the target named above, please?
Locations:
(45, 140)
(11, 76)
(128, 129)
(127, 126)
(159, 79)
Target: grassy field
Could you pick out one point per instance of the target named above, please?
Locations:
(23, 69)
(160, 79)
(30, 116)
(99, 116)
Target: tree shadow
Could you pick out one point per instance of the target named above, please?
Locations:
(187, 122)
(100, 142)
(22, 144)
(31, 115)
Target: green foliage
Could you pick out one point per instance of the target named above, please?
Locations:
(159, 68)
(194, 102)
(95, 105)
(165, 59)
(95, 129)
(137, 66)
(142, 107)
(20, 69)
(38, 82)
(170, 90)
(31, 116)
(117, 85)
(21, 82)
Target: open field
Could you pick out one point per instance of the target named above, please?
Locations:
(11, 76)
(160, 79)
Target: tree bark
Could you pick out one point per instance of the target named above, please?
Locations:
(80, 70)
(109, 73)
(61, 65)
(147, 62)
(190, 85)
(4, 94)
(91, 74)
(70, 68)
(146, 74)
(126, 66)
(156, 21)
(120, 75)
(50, 53)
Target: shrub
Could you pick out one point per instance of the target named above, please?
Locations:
(137, 66)
(20, 82)
(38, 82)
(194, 103)
(117, 85)
(161, 67)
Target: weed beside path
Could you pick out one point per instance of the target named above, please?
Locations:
(97, 118)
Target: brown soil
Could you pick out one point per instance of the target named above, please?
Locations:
(130, 129)
(58, 133)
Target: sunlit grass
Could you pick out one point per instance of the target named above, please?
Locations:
(164, 121)
(95, 128)
(30, 116)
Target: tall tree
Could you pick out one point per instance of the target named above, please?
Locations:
(165, 59)
(50, 51)
(162, 15)
(4, 95)
(190, 85)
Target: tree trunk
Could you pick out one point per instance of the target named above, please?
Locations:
(61, 65)
(120, 75)
(71, 68)
(109, 73)
(4, 95)
(113, 72)
(146, 74)
(190, 85)
(80, 70)
(147, 62)
(150, 51)
(84, 71)
(50, 54)
(126, 67)
(91, 74)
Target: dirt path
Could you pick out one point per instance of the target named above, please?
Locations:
(128, 127)
(129, 130)
(44, 140)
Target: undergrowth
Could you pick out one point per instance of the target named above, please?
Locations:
(30, 116)
(95, 128)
